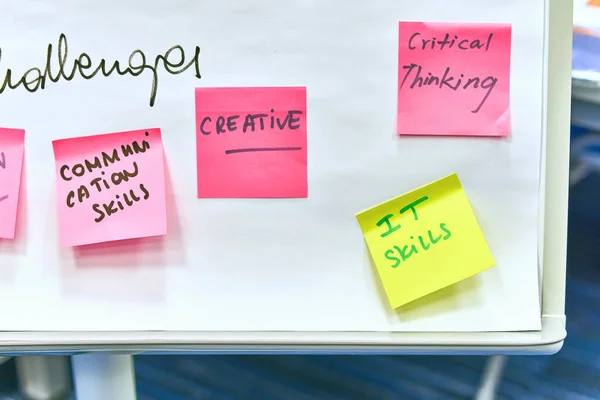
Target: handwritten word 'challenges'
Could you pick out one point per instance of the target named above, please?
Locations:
(34, 79)
(419, 77)
(402, 252)
(105, 182)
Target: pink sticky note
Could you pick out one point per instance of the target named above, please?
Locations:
(454, 79)
(110, 187)
(251, 142)
(12, 142)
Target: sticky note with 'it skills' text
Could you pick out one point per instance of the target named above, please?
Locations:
(425, 240)
(12, 143)
(110, 187)
(251, 142)
(454, 79)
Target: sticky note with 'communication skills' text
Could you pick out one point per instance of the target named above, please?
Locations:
(110, 187)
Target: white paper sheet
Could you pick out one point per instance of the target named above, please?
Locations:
(292, 264)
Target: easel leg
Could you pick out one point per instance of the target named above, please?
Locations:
(492, 374)
(43, 377)
(101, 376)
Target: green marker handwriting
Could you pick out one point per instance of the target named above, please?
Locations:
(402, 252)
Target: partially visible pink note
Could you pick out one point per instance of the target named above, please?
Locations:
(454, 79)
(12, 142)
(251, 142)
(110, 187)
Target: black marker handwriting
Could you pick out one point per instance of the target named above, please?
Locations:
(3, 166)
(450, 81)
(173, 61)
(114, 184)
(251, 122)
(256, 149)
(436, 44)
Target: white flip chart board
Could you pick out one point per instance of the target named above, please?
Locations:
(266, 264)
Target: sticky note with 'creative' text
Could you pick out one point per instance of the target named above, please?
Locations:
(12, 143)
(425, 240)
(110, 187)
(454, 79)
(251, 142)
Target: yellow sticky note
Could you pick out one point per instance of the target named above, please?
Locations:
(425, 240)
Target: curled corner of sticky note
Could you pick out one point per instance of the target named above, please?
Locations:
(502, 125)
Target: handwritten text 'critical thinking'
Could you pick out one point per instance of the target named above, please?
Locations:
(417, 76)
